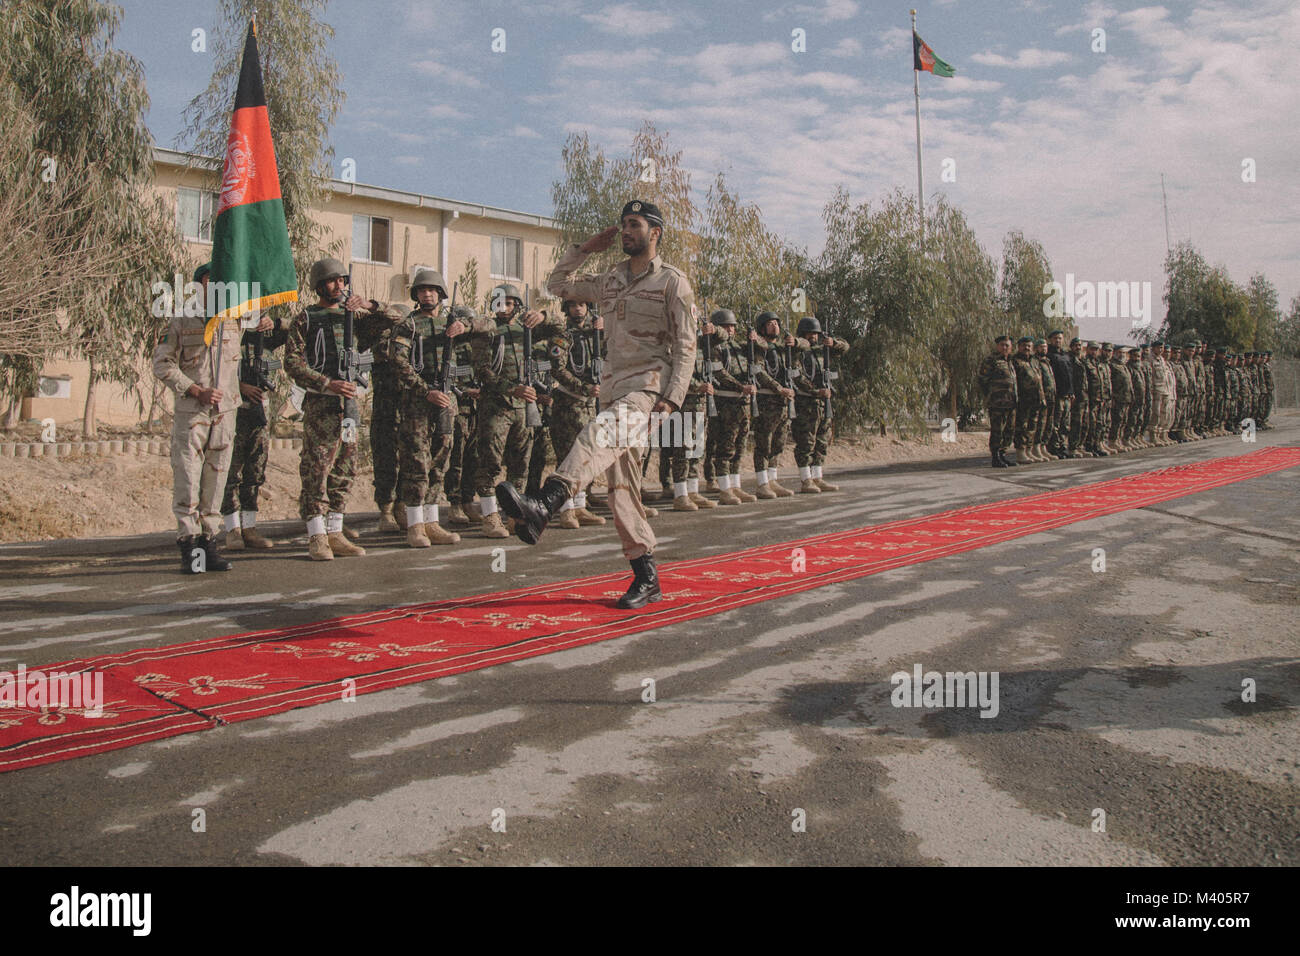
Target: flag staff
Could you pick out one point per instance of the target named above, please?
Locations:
(920, 181)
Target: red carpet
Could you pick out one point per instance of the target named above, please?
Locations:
(160, 692)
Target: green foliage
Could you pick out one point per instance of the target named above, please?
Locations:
(303, 97)
(1185, 273)
(1288, 331)
(594, 188)
(1203, 303)
(1025, 274)
(468, 282)
(84, 107)
(742, 265)
(885, 292)
(1264, 312)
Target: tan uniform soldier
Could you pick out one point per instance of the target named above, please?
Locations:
(648, 307)
(205, 382)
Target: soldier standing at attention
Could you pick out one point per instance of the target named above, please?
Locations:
(1062, 374)
(727, 434)
(413, 352)
(811, 428)
(997, 378)
(1270, 387)
(385, 399)
(314, 359)
(1079, 399)
(252, 444)
(503, 434)
(1029, 393)
(773, 401)
(1121, 398)
(1045, 437)
(204, 380)
(458, 483)
(576, 392)
(650, 307)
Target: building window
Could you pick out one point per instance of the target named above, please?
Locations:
(371, 239)
(507, 258)
(194, 214)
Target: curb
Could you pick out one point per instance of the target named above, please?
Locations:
(107, 448)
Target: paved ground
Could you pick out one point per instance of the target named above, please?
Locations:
(1119, 691)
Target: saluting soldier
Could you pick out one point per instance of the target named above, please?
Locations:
(651, 310)
(204, 380)
(997, 380)
(314, 358)
(504, 436)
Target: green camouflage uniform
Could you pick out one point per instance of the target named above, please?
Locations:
(328, 464)
(252, 437)
(811, 428)
(1029, 393)
(997, 379)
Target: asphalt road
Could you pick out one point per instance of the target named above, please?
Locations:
(1119, 691)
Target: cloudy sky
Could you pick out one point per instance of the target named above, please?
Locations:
(1045, 133)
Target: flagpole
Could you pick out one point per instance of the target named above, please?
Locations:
(920, 181)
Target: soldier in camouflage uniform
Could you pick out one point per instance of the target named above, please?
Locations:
(811, 427)
(384, 402)
(1137, 411)
(773, 397)
(683, 451)
(997, 379)
(313, 360)
(412, 351)
(503, 435)
(1269, 385)
(576, 393)
(733, 393)
(1029, 394)
(1098, 400)
(458, 482)
(1044, 437)
(252, 444)
(1121, 391)
(1078, 425)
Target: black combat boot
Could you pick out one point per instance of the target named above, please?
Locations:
(998, 460)
(215, 562)
(1006, 459)
(645, 585)
(187, 546)
(532, 514)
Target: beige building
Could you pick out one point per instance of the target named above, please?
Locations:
(386, 233)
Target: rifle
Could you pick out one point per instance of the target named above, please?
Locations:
(354, 368)
(532, 418)
(827, 374)
(597, 363)
(256, 371)
(706, 373)
(789, 378)
(447, 415)
(753, 377)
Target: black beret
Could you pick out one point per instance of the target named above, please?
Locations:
(1054, 332)
(1074, 341)
(646, 210)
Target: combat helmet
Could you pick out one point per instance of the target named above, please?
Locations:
(508, 291)
(723, 317)
(322, 270)
(763, 318)
(429, 277)
(808, 324)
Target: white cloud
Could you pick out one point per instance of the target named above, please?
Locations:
(445, 111)
(828, 12)
(525, 132)
(447, 74)
(1025, 60)
(627, 20)
(847, 48)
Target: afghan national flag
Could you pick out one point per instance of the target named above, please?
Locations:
(923, 58)
(250, 241)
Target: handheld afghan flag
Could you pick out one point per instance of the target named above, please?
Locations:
(250, 241)
(923, 58)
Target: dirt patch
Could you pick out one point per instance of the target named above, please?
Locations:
(45, 498)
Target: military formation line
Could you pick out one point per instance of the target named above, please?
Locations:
(1099, 399)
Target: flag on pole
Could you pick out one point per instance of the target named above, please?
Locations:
(250, 241)
(923, 58)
